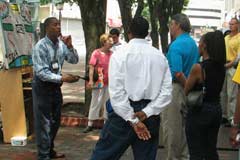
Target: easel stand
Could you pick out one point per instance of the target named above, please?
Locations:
(12, 98)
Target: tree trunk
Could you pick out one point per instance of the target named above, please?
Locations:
(163, 17)
(93, 21)
(140, 7)
(126, 14)
(164, 37)
(154, 32)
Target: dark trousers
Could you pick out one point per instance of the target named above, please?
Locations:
(202, 128)
(47, 102)
(117, 135)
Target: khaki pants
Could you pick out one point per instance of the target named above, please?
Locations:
(173, 123)
(99, 98)
(229, 94)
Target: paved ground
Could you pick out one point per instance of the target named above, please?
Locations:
(74, 92)
(78, 146)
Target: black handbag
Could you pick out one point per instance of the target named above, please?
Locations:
(95, 74)
(195, 97)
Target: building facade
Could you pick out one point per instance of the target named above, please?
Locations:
(205, 15)
(232, 9)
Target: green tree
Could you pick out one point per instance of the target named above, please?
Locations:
(158, 10)
(93, 14)
(42, 2)
(153, 21)
(126, 7)
(166, 9)
(126, 14)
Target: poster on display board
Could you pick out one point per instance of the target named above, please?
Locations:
(17, 32)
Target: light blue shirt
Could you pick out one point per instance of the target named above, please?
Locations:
(43, 57)
(182, 54)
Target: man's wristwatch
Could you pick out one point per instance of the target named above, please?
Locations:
(133, 121)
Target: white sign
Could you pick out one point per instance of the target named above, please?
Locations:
(18, 35)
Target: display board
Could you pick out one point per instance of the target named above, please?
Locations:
(18, 34)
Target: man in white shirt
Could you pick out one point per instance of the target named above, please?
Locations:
(115, 36)
(140, 87)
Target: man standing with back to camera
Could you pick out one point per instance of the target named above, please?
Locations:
(140, 88)
(182, 54)
(48, 57)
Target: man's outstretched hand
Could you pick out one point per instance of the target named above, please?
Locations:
(69, 78)
(141, 131)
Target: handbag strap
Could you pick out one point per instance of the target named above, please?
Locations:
(203, 75)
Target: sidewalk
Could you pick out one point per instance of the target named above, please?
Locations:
(78, 146)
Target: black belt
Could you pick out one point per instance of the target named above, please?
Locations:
(139, 105)
(140, 101)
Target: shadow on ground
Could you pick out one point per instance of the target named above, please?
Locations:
(75, 110)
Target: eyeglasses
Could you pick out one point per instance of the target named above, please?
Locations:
(231, 24)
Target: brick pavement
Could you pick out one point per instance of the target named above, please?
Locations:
(78, 146)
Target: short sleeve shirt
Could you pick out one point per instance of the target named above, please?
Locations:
(182, 54)
(100, 59)
(232, 46)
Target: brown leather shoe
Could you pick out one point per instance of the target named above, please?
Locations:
(55, 155)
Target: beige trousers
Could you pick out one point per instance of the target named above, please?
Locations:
(99, 98)
(229, 94)
(173, 125)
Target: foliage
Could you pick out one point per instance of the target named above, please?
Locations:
(146, 12)
(43, 2)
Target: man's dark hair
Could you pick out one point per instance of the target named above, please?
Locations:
(47, 22)
(215, 46)
(183, 21)
(139, 27)
(114, 31)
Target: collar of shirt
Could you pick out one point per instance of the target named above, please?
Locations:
(55, 46)
(182, 35)
(138, 40)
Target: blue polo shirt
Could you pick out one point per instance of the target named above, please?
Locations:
(182, 54)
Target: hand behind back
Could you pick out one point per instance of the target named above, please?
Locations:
(141, 131)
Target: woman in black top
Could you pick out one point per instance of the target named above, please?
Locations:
(202, 124)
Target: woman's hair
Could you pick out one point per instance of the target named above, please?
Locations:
(235, 18)
(103, 38)
(215, 46)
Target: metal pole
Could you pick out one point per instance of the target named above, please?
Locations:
(238, 153)
(60, 16)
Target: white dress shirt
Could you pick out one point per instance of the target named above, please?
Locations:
(139, 71)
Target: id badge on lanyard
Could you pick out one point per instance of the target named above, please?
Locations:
(54, 63)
